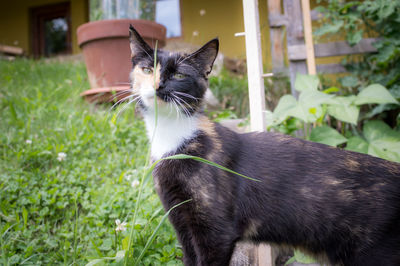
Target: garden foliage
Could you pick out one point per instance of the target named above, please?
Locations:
(327, 117)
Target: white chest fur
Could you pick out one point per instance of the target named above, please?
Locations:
(170, 133)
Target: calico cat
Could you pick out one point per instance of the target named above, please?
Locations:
(330, 202)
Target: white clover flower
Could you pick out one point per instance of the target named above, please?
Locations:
(195, 33)
(135, 183)
(202, 12)
(128, 177)
(28, 141)
(120, 226)
(61, 156)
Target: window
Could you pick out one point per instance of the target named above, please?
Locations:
(168, 14)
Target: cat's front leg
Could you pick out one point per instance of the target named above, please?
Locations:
(185, 239)
(189, 255)
(213, 247)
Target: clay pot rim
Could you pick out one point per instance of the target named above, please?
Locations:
(113, 28)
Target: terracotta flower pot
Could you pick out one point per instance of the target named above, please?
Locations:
(106, 51)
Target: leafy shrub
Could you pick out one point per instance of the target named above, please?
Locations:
(369, 18)
(334, 119)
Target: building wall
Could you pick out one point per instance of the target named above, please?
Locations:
(222, 18)
(15, 21)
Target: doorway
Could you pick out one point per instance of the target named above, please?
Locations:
(51, 30)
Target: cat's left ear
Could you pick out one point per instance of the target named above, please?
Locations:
(138, 45)
(206, 55)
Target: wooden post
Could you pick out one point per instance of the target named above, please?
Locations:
(254, 65)
(276, 23)
(295, 36)
(305, 5)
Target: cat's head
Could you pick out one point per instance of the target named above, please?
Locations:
(179, 80)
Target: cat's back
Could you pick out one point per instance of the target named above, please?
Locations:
(286, 152)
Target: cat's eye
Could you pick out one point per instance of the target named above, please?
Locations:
(179, 75)
(147, 70)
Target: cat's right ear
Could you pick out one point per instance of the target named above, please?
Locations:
(138, 45)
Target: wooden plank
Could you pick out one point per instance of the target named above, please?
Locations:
(343, 48)
(276, 20)
(5, 49)
(254, 65)
(244, 255)
(277, 48)
(305, 5)
(331, 68)
(266, 255)
(294, 37)
(298, 52)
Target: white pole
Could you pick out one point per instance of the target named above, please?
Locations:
(254, 65)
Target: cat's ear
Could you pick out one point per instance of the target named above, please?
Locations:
(206, 55)
(138, 45)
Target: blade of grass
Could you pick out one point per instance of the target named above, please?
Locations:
(153, 235)
(199, 159)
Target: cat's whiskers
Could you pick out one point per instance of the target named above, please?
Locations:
(112, 97)
(131, 93)
(187, 95)
(185, 105)
(122, 100)
(177, 109)
(125, 106)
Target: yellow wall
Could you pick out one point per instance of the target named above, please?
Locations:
(222, 18)
(15, 21)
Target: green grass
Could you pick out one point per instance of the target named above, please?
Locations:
(64, 212)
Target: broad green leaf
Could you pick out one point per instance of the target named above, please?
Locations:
(377, 129)
(388, 149)
(357, 144)
(282, 110)
(327, 135)
(314, 98)
(305, 113)
(345, 113)
(269, 118)
(308, 108)
(374, 93)
(303, 258)
(306, 82)
(342, 108)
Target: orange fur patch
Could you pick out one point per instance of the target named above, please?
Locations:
(142, 79)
